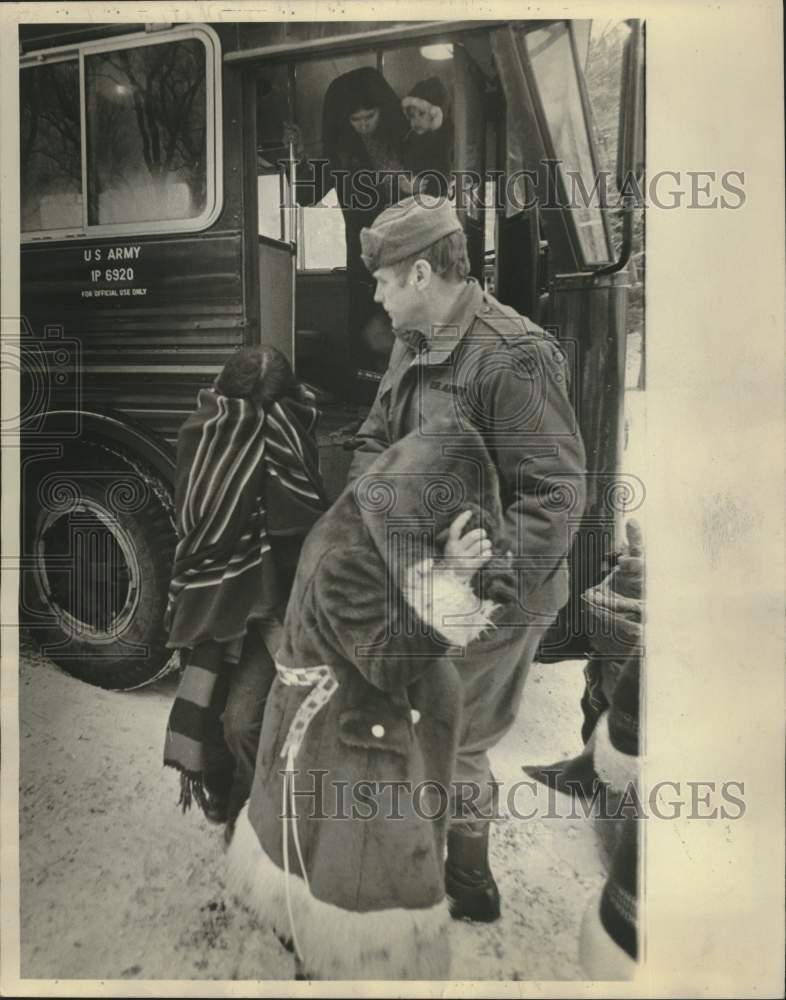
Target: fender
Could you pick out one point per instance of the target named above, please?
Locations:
(81, 426)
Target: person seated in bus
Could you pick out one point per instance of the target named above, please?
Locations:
(247, 490)
(368, 697)
(428, 146)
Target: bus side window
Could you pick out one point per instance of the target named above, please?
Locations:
(146, 133)
(51, 150)
(129, 145)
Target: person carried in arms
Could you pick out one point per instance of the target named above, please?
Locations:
(247, 490)
(428, 146)
(459, 352)
(341, 847)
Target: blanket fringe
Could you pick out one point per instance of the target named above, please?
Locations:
(192, 788)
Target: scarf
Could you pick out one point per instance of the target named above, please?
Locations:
(243, 473)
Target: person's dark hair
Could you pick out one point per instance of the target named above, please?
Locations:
(261, 374)
(364, 87)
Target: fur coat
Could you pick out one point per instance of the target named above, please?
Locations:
(371, 604)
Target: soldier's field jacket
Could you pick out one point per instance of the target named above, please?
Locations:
(502, 373)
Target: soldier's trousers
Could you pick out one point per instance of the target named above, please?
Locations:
(493, 672)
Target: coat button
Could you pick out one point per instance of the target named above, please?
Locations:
(415, 716)
(378, 731)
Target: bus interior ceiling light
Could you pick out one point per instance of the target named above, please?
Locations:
(437, 53)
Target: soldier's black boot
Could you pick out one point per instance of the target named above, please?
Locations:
(470, 886)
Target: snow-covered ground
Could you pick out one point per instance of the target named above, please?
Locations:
(117, 884)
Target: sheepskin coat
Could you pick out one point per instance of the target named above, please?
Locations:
(370, 603)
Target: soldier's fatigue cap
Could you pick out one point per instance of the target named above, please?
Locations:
(405, 229)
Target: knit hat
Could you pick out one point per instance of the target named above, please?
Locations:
(429, 96)
(406, 229)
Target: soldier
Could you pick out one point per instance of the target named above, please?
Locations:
(458, 352)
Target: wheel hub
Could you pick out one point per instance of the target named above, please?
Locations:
(86, 571)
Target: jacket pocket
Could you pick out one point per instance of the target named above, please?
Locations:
(375, 731)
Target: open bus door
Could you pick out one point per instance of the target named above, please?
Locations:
(550, 142)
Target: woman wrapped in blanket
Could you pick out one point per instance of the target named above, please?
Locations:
(247, 491)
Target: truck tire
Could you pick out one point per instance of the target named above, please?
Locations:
(100, 538)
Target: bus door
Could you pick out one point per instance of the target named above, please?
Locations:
(551, 145)
(341, 341)
(271, 107)
(334, 293)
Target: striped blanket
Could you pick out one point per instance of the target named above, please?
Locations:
(244, 475)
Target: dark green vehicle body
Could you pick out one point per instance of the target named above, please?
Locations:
(124, 322)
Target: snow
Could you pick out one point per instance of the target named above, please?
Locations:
(117, 884)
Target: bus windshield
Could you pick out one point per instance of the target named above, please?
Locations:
(552, 57)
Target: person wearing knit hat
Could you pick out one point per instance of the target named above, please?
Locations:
(425, 105)
(459, 352)
(428, 146)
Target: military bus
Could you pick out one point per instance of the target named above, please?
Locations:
(163, 226)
